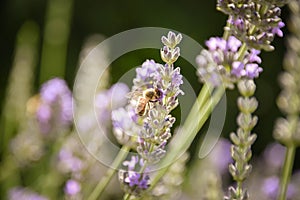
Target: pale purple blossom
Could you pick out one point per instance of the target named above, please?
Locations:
(233, 44)
(253, 56)
(72, 187)
(215, 43)
(131, 164)
(220, 64)
(238, 69)
(253, 70)
(134, 178)
(145, 75)
(277, 30)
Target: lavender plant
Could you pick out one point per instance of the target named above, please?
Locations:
(251, 26)
(287, 130)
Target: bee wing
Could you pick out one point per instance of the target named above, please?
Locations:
(134, 95)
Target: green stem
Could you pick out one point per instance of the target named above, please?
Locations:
(200, 101)
(127, 196)
(242, 51)
(287, 170)
(109, 174)
(264, 9)
(226, 31)
(239, 188)
(189, 130)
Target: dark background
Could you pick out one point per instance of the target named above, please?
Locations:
(197, 19)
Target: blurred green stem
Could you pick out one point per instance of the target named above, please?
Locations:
(56, 34)
(109, 174)
(287, 170)
(20, 83)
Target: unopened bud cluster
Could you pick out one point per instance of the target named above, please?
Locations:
(243, 139)
(253, 22)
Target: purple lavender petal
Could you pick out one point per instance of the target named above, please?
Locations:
(233, 44)
(212, 43)
(252, 70)
(131, 164)
(238, 69)
(277, 30)
(253, 56)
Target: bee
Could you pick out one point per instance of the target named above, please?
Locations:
(148, 96)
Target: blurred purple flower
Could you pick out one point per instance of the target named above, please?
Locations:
(19, 193)
(109, 100)
(270, 188)
(55, 109)
(221, 155)
(69, 162)
(72, 187)
(274, 155)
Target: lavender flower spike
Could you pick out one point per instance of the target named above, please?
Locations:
(159, 87)
(157, 124)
